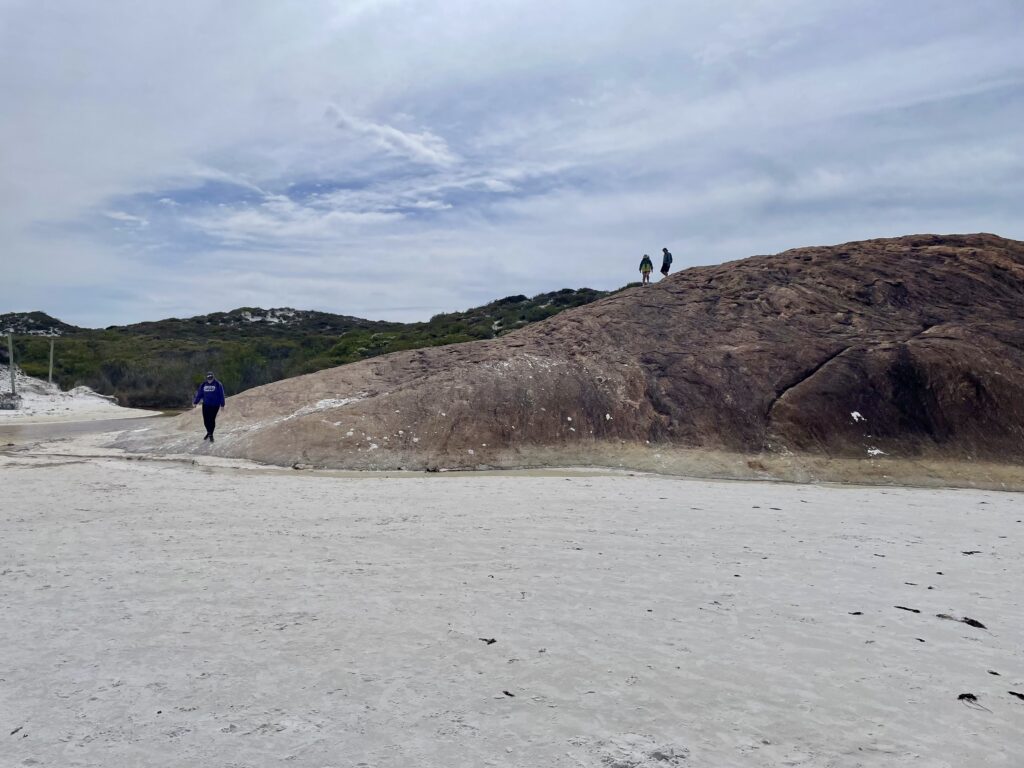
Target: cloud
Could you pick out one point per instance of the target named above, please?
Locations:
(422, 147)
(395, 157)
(280, 220)
(127, 218)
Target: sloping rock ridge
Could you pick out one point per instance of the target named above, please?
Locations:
(909, 347)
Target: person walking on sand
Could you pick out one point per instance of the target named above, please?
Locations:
(211, 395)
(666, 261)
(646, 267)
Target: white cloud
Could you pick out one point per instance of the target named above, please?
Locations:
(281, 220)
(430, 205)
(422, 147)
(484, 147)
(127, 218)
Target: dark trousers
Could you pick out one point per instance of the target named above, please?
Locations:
(210, 417)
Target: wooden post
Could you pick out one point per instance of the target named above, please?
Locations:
(49, 378)
(10, 359)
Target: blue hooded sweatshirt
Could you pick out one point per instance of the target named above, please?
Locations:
(210, 393)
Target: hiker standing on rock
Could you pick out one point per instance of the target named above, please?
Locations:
(646, 267)
(211, 395)
(666, 261)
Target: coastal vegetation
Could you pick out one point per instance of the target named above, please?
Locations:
(158, 364)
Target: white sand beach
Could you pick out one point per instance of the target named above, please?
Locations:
(168, 613)
(43, 403)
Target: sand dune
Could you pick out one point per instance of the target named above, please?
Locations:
(43, 403)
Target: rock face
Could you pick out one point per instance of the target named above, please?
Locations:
(907, 347)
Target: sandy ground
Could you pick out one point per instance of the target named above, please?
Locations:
(161, 612)
(43, 403)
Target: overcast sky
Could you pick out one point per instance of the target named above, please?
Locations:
(396, 158)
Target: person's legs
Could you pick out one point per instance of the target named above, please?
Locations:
(210, 418)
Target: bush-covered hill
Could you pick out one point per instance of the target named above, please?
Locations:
(157, 364)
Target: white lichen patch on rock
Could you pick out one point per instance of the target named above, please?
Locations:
(325, 405)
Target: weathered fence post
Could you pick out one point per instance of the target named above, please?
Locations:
(10, 356)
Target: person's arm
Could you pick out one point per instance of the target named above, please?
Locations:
(223, 400)
(199, 395)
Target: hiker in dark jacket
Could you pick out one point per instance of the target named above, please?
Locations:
(666, 261)
(211, 395)
(646, 267)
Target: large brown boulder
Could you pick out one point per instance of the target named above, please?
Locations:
(910, 347)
